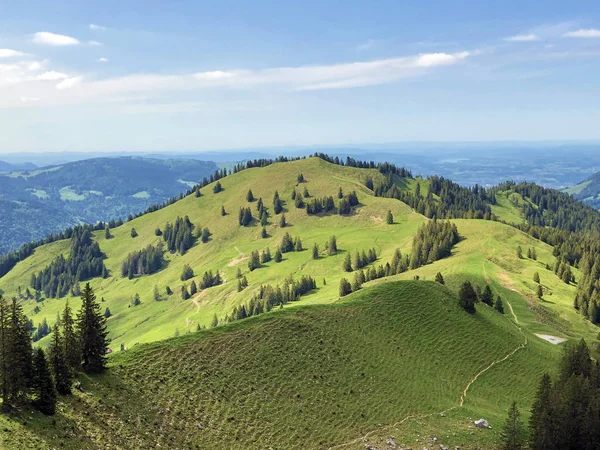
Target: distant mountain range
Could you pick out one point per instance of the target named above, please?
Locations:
(7, 167)
(588, 191)
(37, 202)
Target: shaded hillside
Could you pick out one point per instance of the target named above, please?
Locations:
(43, 201)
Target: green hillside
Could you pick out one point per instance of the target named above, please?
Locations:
(397, 358)
(308, 377)
(229, 248)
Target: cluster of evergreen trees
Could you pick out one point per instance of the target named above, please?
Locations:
(77, 344)
(320, 205)
(209, 279)
(179, 236)
(469, 295)
(453, 201)
(85, 261)
(270, 296)
(433, 241)
(347, 203)
(245, 217)
(566, 412)
(143, 262)
(361, 259)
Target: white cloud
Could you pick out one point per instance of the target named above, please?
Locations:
(9, 53)
(102, 60)
(52, 76)
(95, 43)
(440, 59)
(523, 38)
(95, 27)
(583, 33)
(69, 83)
(29, 99)
(214, 75)
(47, 38)
(35, 65)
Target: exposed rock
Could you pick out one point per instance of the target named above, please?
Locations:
(482, 423)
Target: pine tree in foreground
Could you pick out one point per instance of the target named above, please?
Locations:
(499, 306)
(467, 297)
(58, 364)
(513, 433)
(91, 325)
(71, 344)
(45, 395)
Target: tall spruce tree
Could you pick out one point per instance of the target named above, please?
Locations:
(18, 352)
(71, 343)
(45, 395)
(58, 363)
(4, 354)
(93, 336)
(513, 433)
(541, 421)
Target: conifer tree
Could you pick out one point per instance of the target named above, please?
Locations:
(540, 291)
(278, 255)
(156, 294)
(519, 252)
(18, 351)
(332, 246)
(439, 278)
(217, 187)
(263, 233)
(389, 217)
(107, 234)
(133, 233)
(264, 218)
(467, 297)
(223, 213)
(541, 420)
(4, 351)
(347, 265)
(282, 221)
(45, 394)
(340, 193)
(107, 312)
(513, 433)
(499, 305)
(300, 178)
(305, 193)
(93, 336)
(315, 251)
(536, 277)
(487, 297)
(345, 287)
(250, 196)
(58, 362)
(71, 343)
(215, 321)
(238, 274)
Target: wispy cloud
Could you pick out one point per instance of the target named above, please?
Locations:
(530, 37)
(102, 60)
(9, 53)
(96, 27)
(366, 45)
(77, 89)
(48, 38)
(69, 83)
(51, 76)
(583, 33)
(95, 43)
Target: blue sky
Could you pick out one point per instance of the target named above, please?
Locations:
(192, 75)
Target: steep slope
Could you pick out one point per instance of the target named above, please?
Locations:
(587, 191)
(307, 377)
(39, 202)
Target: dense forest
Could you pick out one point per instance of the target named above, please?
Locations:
(85, 261)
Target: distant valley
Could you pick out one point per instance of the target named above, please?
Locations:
(38, 202)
